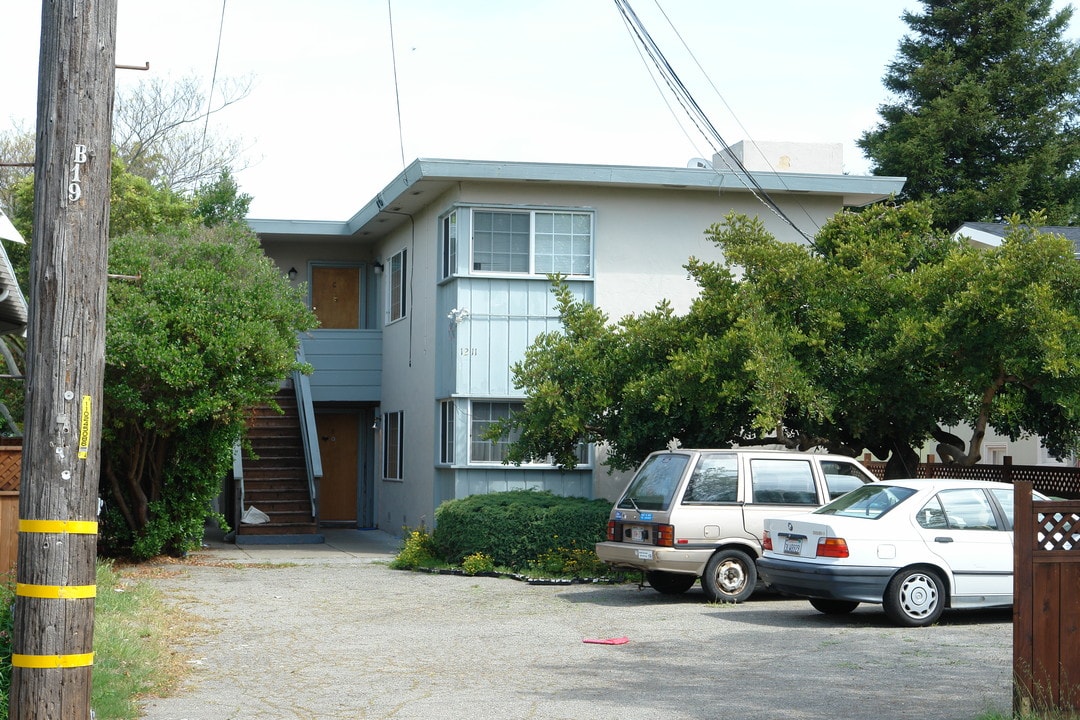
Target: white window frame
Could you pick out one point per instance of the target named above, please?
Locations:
(397, 286)
(496, 451)
(448, 244)
(393, 426)
(447, 430)
(537, 237)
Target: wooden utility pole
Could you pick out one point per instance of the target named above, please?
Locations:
(54, 603)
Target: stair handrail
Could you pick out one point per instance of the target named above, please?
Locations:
(308, 430)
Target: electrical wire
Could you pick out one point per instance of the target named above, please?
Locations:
(731, 111)
(697, 116)
(213, 83)
(397, 94)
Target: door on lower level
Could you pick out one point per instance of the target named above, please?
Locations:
(339, 445)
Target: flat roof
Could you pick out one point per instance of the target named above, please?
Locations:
(426, 178)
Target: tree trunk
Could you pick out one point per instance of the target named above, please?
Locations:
(54, 604)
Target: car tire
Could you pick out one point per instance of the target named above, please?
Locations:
(915, 597)
(730, 577)
(830, 606)
(669, 583)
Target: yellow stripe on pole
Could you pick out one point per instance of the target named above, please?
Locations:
(56, 592)
(73, 527)
(52, 661)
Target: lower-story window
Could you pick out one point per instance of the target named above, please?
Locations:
(486, 413)
(393, 450)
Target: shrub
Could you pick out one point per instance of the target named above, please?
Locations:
(477, 563)
(417, 551)
(515, 528)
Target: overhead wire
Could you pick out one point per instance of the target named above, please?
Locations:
(210, 95)
(731, 111)
(397, 94)
(698, 117)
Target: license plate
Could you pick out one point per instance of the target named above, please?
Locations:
(644, 555)
(792, 546)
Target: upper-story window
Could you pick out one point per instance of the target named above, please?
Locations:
(397, 305)
(517, 241)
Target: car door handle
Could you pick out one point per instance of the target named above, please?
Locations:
(942, 539)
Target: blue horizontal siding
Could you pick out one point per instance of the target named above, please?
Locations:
(348, 364)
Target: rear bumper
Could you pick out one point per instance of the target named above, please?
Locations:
(837, 582)
(650, 557)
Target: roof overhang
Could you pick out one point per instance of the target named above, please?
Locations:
(425, 179)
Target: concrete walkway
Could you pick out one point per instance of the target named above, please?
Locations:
(342, 545)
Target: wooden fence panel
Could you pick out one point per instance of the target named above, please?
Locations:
(1046, 604)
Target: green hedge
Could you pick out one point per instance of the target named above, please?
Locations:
(518, 526)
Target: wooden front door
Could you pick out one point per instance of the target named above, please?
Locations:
(335, 297)
(339, 438)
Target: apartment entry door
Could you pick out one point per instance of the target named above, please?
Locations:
(335, 296)
(339, 445)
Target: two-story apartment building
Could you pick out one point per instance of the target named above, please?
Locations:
(438, 284)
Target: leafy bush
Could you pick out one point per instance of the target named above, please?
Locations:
(417, 551)
(477, 563)
(515, 528)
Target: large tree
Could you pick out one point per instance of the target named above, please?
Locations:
(984, 117)
(875, 337)
(207, 331)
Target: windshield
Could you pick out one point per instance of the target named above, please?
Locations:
(655, 483)
(869, 501)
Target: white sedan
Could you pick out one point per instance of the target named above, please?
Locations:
(914, 546)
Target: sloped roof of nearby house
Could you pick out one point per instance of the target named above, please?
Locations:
(425, 179)
(992, 234)
(13, 309)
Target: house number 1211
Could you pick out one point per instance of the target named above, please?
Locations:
(75, 185)
(469, 351)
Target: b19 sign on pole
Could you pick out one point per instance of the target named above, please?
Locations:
(54, 604)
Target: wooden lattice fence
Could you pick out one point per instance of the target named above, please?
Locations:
(1046, 605)
(1055, 481)
(10, 471)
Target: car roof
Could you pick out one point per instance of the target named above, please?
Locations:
(942, 483)
(761, 451)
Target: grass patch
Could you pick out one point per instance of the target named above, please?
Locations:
(134, 634)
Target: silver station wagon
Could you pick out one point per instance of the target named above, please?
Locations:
(700, 513)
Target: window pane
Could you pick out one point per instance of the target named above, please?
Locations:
(783, 482)
(967, 509)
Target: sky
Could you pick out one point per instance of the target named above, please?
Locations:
(343, 90)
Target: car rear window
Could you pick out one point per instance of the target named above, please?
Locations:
(869, 501)
(655, 483)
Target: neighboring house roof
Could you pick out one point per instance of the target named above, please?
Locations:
(425, 179)
(992, 234)
(13, 309)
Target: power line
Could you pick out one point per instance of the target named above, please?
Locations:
(397, 94)
(698, 116)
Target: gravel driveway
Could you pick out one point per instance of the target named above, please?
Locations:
(343, 636)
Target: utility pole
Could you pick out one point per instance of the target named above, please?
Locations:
(54, 603)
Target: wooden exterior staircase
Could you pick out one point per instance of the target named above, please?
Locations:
(275, 477)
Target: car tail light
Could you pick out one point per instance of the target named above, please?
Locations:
(613, 531)
(665, 535)
(766, 541)
(832, 547)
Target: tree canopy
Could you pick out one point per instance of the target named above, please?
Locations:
(208, 331)
(875, 337)
(984, 120)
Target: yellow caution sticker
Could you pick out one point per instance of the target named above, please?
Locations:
(52, 661)
(72, 527)
(84, 427)
(56, 592)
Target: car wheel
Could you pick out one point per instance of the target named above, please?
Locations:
(730, 576)
(914, 598)
(670, 583)
(833, 607)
